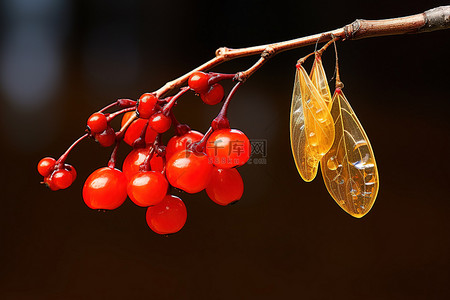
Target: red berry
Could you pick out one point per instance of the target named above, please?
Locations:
(135, 129)
(48, 180)
(168, 216)
(160, 122)
(46, 165)
(226, 186)
(198, 81)
(105, 188)
(134, 160)
(214, 95)
(228, 148)
(178, 143)
(106, 138)
(146, 105)
(72, 171)
(62, 179)
(189, 171)
(97, 123)
(147, 188)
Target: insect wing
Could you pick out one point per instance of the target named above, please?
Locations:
(307, 166)
(349, 168)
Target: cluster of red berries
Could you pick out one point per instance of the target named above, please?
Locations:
(191, 161)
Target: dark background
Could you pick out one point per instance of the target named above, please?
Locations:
(62, 60)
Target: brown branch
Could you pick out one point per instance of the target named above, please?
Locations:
(434, 19)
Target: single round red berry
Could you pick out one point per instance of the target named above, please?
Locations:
(226, 186)
(214, 95)
(147, 188)
(198, 81)
(135, 129)
(134, 160)
(48, 181)
(105, 188)
(178, 143)
(189, 171)
(228, 148)
(72, 171)
(106, 138)
(97, 122)
(62, 178)
(160, 122)
(46, 165)
(146, 105)
(168, 216)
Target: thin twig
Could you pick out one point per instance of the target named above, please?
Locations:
(434, 19)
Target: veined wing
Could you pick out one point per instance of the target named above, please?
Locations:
(306, 165)
(319, 79)
(349, 168)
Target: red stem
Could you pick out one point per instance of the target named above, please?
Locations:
(63, 157)
(221, 121)
(168, 107)
(117, 113)
(112, 160)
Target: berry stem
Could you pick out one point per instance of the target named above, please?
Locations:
(112, 160)
(140, 141)
(121, 132)
(118, 113)
(180, 129)
(63, 157)
(200, 145)
(146, 166)
(168, 107)
(221, 121)
(122, 103)
(216, 77)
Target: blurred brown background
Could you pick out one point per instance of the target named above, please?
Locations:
(61, 60)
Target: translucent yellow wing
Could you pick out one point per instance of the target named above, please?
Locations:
(319, 125)
(349, 168)
(319, 79)
(312, 127)
(306, 165)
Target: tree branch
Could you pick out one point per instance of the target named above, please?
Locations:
(434, 19)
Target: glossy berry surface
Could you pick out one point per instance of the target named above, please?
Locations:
(178, 143)
(228, 148)
(160, 122)
(189, 171)
(134, 160)
(168, 216)
(146, 105)
(226, 186)
(105, 188)
(198, 81)
(147, 188)
(106, 138)
(72, 171)
(48, 181)
(46, 165)
(97, 123)
(135, 129)
(62, 179)
(214, 95)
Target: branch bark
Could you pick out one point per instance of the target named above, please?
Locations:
(434, 19)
